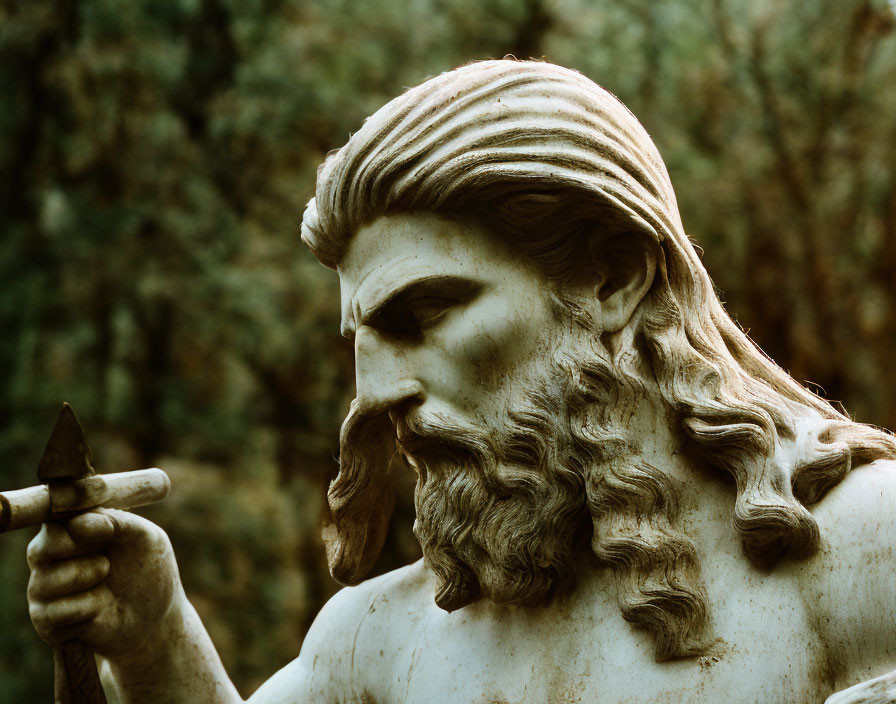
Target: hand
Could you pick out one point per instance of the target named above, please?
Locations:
(880, 690)
(106, 578)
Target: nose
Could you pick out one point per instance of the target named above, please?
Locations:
(385, 377)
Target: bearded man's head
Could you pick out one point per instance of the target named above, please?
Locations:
(547, 161)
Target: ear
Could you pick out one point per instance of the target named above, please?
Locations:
(623, 267)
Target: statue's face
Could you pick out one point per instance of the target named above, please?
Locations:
(455, 337)
(444, 317)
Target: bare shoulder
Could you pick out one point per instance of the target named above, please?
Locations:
(865, 498)
(849, 583)
(356, 624)
(857, 521)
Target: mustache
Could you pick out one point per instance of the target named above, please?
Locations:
(439, 434)
(361, 497)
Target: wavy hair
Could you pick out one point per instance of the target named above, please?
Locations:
(552, 162)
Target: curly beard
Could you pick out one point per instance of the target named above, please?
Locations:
(505, 510)
(500, 512)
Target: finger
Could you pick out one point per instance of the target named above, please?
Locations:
(60, 579)
(91, 527)
(54, 542)
(51, 617)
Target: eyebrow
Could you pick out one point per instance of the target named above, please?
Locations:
(402, 289)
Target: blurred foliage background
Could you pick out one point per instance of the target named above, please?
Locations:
(156, 156)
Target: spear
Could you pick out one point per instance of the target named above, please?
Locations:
(69, 485)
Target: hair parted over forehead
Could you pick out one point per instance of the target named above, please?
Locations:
(486, 132)
(553, 163)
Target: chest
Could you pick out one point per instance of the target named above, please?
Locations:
(765, 651)
(792, 674)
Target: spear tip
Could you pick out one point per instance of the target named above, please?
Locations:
(67, 455)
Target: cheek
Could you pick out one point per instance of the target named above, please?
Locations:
(494, 337)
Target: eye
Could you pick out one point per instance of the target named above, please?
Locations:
(426, 310)
(412, 316)
(411, 311)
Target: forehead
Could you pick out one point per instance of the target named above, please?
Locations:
(408, 246)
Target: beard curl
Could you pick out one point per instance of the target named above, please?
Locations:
(499, 513)
(634, 506)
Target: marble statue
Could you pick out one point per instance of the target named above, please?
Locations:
(619, 497)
